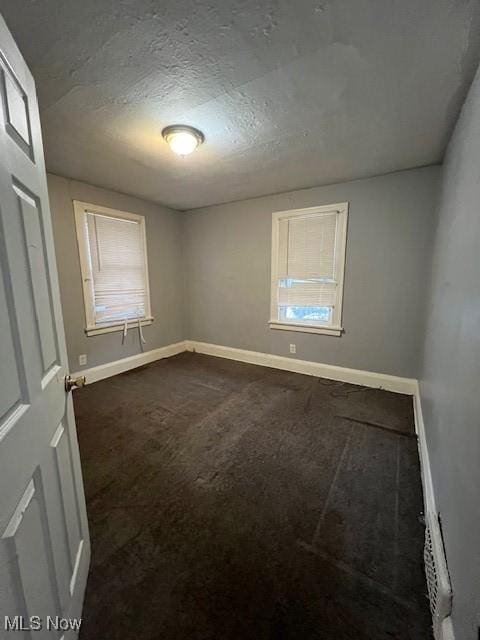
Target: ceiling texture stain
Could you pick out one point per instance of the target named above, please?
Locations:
(288, 94)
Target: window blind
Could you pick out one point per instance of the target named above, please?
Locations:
(117, 266)
(306, 261)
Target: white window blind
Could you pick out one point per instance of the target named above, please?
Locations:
(308, 252)
(114, 266)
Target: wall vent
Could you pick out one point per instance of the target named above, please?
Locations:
(438, 581)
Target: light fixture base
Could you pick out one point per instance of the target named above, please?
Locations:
(182, 138)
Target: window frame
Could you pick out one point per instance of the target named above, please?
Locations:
(81, 209)
(335, 328)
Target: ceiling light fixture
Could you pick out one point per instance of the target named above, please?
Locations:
(182, 139)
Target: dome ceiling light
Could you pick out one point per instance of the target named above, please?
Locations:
(182, 139)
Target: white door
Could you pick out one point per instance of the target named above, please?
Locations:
(44, 543)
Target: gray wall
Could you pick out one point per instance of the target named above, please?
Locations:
(451, 366)
(165, 269)
(227, 286)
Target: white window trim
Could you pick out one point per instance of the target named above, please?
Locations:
(336, 328)
(91, 329)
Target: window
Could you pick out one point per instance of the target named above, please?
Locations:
(308, 256)
(113, 260)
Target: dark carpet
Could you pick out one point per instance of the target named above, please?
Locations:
(229, 501)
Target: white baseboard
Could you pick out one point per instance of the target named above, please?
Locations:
(332, 372)
(447, 632)
(442, 629)
(428, 493)
(120, 366)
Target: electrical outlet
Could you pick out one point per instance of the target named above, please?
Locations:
(293, 348)
(82, 360)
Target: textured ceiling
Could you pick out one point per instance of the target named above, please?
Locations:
(289, 94)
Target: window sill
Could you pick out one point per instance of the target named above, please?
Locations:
(110, 328)
(306, 328)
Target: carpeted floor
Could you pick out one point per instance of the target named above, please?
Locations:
(229, 501)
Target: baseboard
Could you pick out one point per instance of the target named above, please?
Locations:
(397, 384)
(447, 632)
(332, 372)
(125, 364)
(442, 629)
(428, 493)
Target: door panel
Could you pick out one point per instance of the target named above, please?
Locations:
(10, 389)
(15, 105)
(33, 238)
(44, 543)
(68, 497)
(28, 540)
